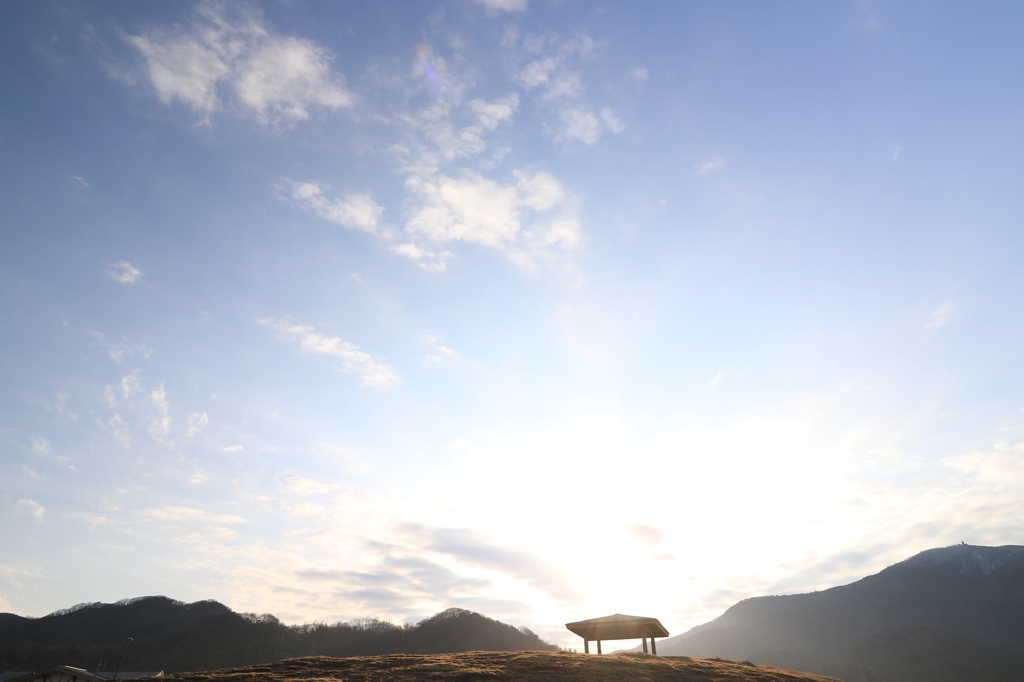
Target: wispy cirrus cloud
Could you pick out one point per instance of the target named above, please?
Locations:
(710, 166)
(945, 313)
(121, 350)
(227, 57)
(119, 429)
(527, 215)
(160, 426)
(408, 570)
(197, 421)
(553, 68)
(374, 373)
(473, 548)
(504, 5)
(439, 352)
(32, 508)
(527, 219)
(524, 219)
(124, 272)
(357, 211)
(647, 534)
(180, 514)
(584, 126)
(41, 446)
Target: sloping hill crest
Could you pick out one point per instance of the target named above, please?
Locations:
(954, 614)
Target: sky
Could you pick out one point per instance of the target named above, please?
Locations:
(544, 309)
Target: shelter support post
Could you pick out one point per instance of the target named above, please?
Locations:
(598, 647)
(586, 646)
(654, 649)
(645, 644)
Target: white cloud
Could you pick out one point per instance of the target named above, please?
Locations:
(79, 180)
(284, 76)
(32, 508)
(472, 209)
(538, 72)
(358, 211)
(160, 426)
(516, 218)
(524, 220)
(582, 125)
(540, 191)
(307, 486)
(124, 272)
(198, 477)
(945, 313)
(374, 374)
(177, 514)
(490, 115)
(472, 548)
(504, 5)
(554, 73)
(446, 130)
(197, 421)
(61, 406)
(303, 509)
(611, 121)
(119, 352)
(234, 56)
(130, 384)
(647, 534)
(561, 85)
(41, 446)
(896, 153)
(639, 74)
(440, 352)
(718, 377)
(710, 166)
(233, 448)
(119, 430)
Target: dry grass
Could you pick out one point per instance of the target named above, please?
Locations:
(520, 666)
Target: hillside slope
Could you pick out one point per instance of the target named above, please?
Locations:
(522, 666)
(954, 614)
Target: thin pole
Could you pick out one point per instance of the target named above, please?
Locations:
(122, 657)
(654, 649)
(598, 647)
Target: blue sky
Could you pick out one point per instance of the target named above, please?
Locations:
(543, 309)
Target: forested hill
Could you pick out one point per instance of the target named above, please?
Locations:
(173, 636)
(93, 624)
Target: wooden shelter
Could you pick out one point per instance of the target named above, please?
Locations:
(618, 626)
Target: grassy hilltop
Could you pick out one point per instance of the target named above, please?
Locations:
(518, 666)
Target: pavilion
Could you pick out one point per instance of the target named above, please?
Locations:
(618, 626)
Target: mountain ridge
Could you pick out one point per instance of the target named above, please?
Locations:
(177, 636)
(942, 604)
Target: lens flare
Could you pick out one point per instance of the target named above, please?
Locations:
(423, 57)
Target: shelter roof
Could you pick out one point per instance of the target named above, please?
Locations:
(618, 626)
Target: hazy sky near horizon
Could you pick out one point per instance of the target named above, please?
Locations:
(547, 310)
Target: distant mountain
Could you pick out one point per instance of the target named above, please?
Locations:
(174, 636)
(954, 614)
(93, 624)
